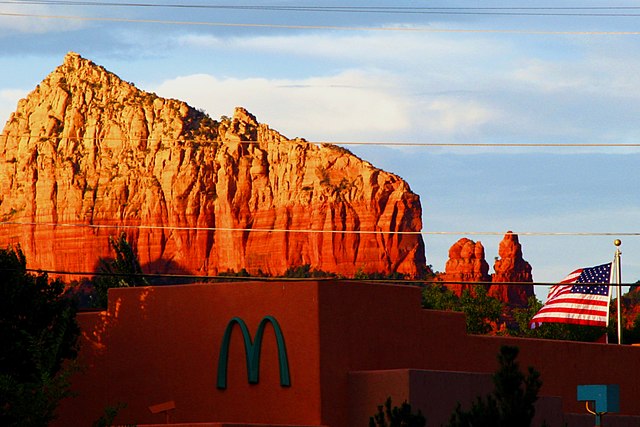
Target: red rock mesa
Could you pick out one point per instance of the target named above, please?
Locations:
(87, 155)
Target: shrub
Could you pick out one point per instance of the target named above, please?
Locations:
(396, 417)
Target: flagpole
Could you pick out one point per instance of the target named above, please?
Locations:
(618, 279)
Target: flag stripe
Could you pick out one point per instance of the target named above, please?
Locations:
(568, 302)
(580, 298)
(569, 312)
(573, 321)
(571, 277)
(585, 316)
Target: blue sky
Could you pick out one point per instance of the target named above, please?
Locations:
(471, 75)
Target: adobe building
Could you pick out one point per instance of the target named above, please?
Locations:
(319, 353)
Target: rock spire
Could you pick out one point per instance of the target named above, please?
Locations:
(511, 267)
(467, 264)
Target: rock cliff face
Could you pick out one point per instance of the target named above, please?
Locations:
(467, 263)
(511, 267)
(87, 155)
(630, 304)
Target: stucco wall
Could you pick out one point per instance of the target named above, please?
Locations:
(162, 343)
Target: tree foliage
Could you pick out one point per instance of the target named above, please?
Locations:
(110, 414)
(511, 404)
(305, 271)
(632, 335)
(396, 417)
(38, 333)
(360, 274)
(630, 317)
(438, 297)
(123, 271)
(482, 312)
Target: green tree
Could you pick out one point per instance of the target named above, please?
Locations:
(38, 333)
(482, 312)
(438, 297)
(512, 402)
(109, 416)
(396, 417)
(361, 275)
(231, 276)
(305, 271)
(123, 271)
(632, 335)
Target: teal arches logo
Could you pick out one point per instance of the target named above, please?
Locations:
(252, 349)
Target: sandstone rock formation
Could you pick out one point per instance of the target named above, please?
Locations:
(87, 155)
(466, 264)
(510, 267)
(631, 309)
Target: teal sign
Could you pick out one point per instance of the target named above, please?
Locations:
(252, 350)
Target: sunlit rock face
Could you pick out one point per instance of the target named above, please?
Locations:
(510, 267)
(87, 155)
(467, 264)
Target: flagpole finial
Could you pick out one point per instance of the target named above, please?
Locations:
(617, 242)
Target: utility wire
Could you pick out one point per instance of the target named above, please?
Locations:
(196, 140)
(604, 11)
(294, 279)
(324, 231)
(321, 27)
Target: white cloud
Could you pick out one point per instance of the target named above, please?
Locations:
(388, 86)
(551, 76)
(404, 86)
(450, 116)
(453, 87)
(378, 47)
(200, 41)
(347, 106)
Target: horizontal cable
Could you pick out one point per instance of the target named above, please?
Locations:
(184, 228)
(279, 7)
(309, 279)
(619, 11)
(167, 275)
(481, 144)
(311, 231)
(195, 140)
(321, 27)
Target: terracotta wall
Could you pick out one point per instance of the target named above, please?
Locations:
(162, 343)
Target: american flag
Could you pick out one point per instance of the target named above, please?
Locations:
(579, 298)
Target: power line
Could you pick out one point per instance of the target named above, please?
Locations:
(196, 140)
(322, 27)
(294, 279)
(167, 275)
(603, 11)
(319, 231)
